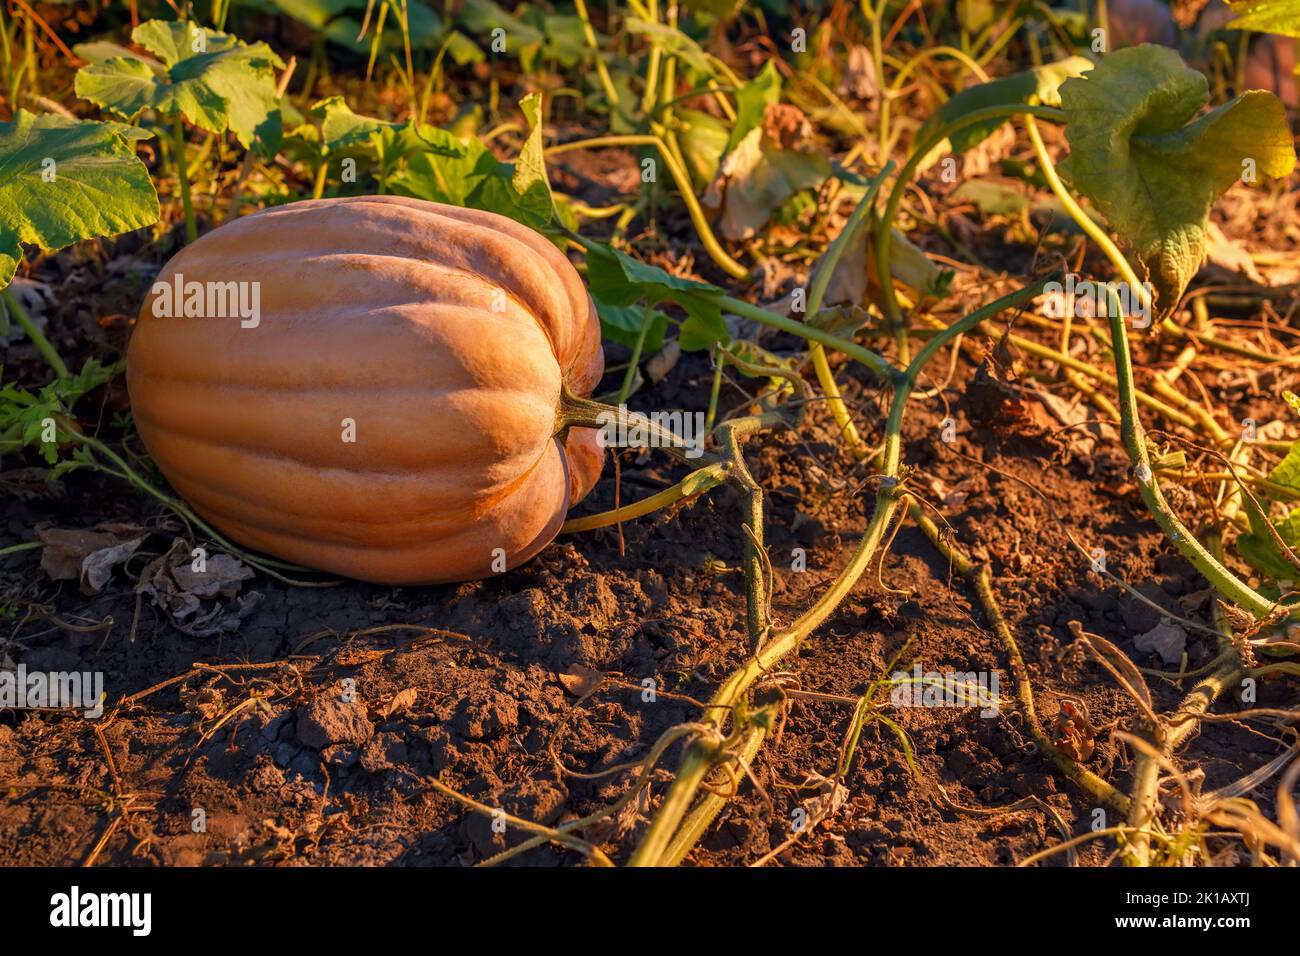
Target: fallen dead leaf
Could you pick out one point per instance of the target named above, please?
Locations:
(402, 701)
(1167, 639)
(581, 681)
(88, 556)
(769, 165)
(1230, 255)
(180, 591)
(859, 78)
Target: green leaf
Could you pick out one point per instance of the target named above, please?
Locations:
(566, 41)
(342, 129)
(1266, 16)
(339, 21)
(1151, 168)
(23, 415)
(452, 180)
(96, 185)
(703, 139)
(1038, 86)
(214, 80)
(125, 85)
(1287, 471)
(98, 51)
(616, 279)
(1259, 548)
(622, 324)
(529, 178)
(752, 101)
(441, 168)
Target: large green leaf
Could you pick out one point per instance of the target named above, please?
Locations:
(1152, 169)
(529, 178)
(616, 279)
(64, 180)
(1267, 16)
(343, 130)
(441, 168)
(452, 180)
(214, 80)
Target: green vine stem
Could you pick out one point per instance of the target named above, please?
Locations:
(884, 238)
(874, 14)
(575, 412)
(686, 488)
(43, 345)
(704, 812)
(702, 479)
(707, 749)
(651, 93)
(852, 349)
(22, 546)
(602, 72)
(182, 177)
(1134, 440)
(629, 377)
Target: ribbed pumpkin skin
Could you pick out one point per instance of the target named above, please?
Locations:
(380, 310)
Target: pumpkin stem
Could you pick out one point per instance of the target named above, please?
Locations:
(616, 422)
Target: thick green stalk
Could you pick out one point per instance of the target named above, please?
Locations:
(182, 176)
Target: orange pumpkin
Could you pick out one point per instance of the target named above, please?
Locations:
(382, 402)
